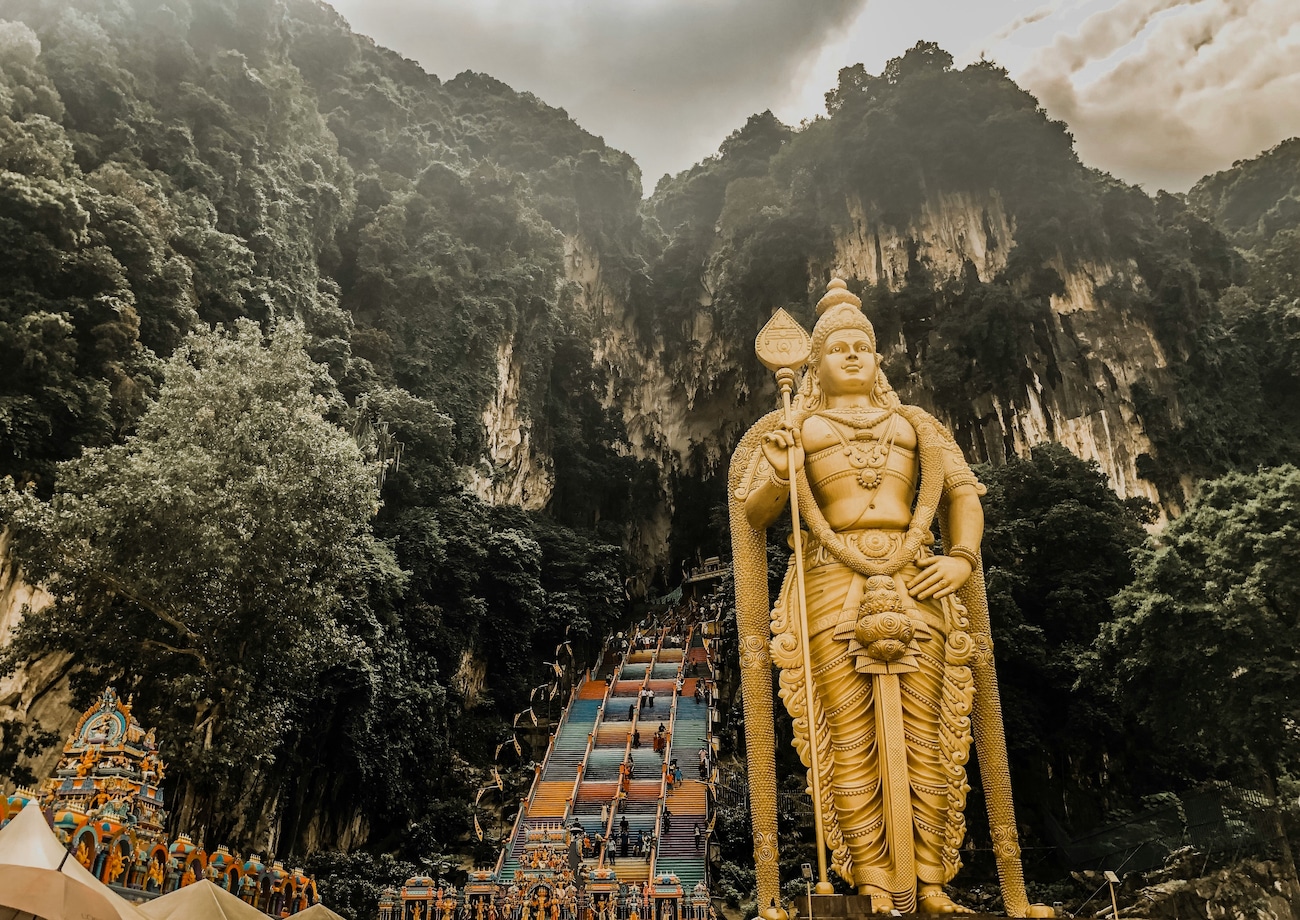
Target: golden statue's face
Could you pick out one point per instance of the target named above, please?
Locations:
(848, 364)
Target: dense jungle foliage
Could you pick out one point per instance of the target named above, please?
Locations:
(165, 168)
(264, 287)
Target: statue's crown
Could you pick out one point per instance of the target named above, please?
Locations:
(838, 309)
(837, 292)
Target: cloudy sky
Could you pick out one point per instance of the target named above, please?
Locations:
(1158, 92)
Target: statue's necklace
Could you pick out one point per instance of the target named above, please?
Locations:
(868, 452)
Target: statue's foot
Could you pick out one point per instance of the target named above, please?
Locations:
(930, 899)
(1040, 910)
(881, 902)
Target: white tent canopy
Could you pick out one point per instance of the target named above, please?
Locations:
(317, 912)
(200, 901)
(38, 878)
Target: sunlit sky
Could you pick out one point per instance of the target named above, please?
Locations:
(1158, 92)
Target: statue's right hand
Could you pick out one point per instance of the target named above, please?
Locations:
(777, 449)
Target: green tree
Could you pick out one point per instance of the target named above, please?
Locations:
(1203, 650)
(1057, 546)
(218, 563)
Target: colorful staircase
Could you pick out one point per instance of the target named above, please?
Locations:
(679, 851)
(580, 779)
(549, 800)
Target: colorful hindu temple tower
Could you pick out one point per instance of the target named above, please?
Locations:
(105, 803)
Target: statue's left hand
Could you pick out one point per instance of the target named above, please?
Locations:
(939, 577)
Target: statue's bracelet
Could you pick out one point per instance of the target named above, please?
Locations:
(964, 552)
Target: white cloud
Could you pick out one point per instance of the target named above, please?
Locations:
(666, 80)
(1155, 91)
(1164, 91)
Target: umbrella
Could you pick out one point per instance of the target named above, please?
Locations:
(39, 879)
(317, 912)
(200, 901)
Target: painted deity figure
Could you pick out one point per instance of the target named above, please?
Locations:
(114, 866)
(888, 627)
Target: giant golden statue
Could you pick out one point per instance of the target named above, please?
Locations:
(895, 637)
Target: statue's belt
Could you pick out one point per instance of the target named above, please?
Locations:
(877, 607)
(873, 543)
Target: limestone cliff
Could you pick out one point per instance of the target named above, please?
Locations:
(37, 694)
(684, 407)
(511, 471)
(1077, 389)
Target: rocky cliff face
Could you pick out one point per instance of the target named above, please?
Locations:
(37, 694)
(512, 471)
(1250, 889)
(951, 231)
(1077, 389)
(685, 408)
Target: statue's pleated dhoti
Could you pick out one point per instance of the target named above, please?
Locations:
(894, 734)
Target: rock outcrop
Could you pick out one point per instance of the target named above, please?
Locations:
(1249, 890)
(683, 408)
(37, 694)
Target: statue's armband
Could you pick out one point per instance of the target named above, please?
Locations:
(956, 471)
(758, 473)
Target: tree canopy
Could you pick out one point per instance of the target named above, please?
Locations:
(1203, 649)
(222, 555)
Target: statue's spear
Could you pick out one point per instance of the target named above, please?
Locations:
(783, 345)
